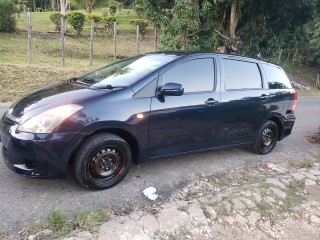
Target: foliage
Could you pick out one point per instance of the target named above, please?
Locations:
(120, 7)
(56, 19)
(7, 18)
(107, 21)
(90, 219)
(76, 20)
(139, 9)
(312, 50)
(108, 24)
(143, 24)
(96, 18)
(56, 220)
(113, 9)
(260, 27)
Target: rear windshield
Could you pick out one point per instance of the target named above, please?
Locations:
(126, 72)
(277, 79)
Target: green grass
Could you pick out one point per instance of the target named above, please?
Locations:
(56, 221)
(90, 219)
(41, 21)
(183, 208)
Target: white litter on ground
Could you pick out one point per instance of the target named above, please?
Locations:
(150, 193)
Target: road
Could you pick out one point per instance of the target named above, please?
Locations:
(24, 201)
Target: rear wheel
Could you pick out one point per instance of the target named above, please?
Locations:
(266, 138)
(102, 161)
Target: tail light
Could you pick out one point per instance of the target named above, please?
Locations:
(295, 97)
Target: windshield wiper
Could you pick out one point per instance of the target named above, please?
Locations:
(108, 87)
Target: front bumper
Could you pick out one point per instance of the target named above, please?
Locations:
(37, 155)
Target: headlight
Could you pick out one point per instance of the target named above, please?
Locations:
(49, 120)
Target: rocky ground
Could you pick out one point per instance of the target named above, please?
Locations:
(264, 201)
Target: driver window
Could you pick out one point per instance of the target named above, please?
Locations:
(195, 75)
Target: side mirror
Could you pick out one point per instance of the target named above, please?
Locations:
(171, 89)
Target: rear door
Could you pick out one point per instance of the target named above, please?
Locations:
(189, 122)
(244, 100)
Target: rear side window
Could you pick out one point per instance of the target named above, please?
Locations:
(241, 75)
(195, 75)
(277, 79)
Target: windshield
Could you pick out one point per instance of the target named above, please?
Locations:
(126, 72)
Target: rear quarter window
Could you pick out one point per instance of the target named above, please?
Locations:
(241, 75)
(277, 79)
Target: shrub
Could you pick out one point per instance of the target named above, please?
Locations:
(96, 18)
(56, 19)
(108, 24)
(139, 9)
(120, 7)
(7, 18)
(113, 9)
(76, 20)
(39, 9)
(143, 24)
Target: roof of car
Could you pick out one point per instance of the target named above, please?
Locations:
(188, 53)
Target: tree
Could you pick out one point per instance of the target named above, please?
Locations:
(245, 26)
(7, 18)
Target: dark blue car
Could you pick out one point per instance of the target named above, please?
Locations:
(146, 107)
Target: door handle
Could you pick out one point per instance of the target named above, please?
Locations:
(211, 101)
(264, 97)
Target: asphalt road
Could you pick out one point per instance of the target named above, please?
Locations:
(24, 201)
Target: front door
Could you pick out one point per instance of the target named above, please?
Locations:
(189, 122)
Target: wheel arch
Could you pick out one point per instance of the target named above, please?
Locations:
(127, 136)
(279, 123)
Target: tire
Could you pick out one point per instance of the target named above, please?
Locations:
(266, 138)
(102, 161)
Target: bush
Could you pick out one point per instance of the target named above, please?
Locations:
(108, 24)
(113, 9)
(56, 19)
(139, 9)
(96, 18)
(143, 24)
(7, 18)
(76, 20)
(39, 9)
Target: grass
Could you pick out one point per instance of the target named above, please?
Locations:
(292, 200)
(56, 221)
(183, 208)
(18, 77)
(63, 224)
(265, 209)
(127, 208)
(41, 21)
(306, 163)
(90, 219)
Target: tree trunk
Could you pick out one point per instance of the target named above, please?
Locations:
(63, 19)
(234, 20)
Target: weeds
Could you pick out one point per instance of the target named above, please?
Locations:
(127, 208)
(90, 219)
(265, 209)
(183, 208)
(56, 221)
(306, 163)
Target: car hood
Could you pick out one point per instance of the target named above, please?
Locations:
(52, 95)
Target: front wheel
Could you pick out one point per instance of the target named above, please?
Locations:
(266, 138)
(102, 161)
